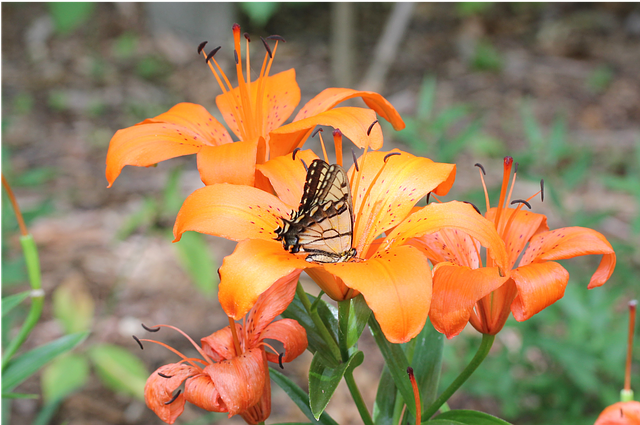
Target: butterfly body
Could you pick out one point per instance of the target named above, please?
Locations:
(323, 224)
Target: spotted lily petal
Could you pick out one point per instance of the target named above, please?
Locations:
(219, 345)
(620, 413)
(270, 304)
(396, 284)
(201, 391)
(159, 390)
(229, 163)
(251, 269)
(292, 336)
(353, 122)
(287, 175)
(183, 130)
(456, 290)
(449, 245)
(231, 211)
(570, 242)
(539, 285)
(330, 97)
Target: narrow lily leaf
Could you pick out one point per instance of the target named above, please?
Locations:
(19, 395)
(63, 376)
(197, 260)
(427, 363)
(297, 312)
(469, 417)
(119, 369)
(443, 422)
(299, 397)
(20, 368)
(12, 301)
(323, 381)
(358, 316)
(383, 408)
(397, 363)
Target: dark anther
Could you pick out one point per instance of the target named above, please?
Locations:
(266, 46)
(293, 154)
(508, 160)
(138, 341)
(389, 155)
(428, 196)
(477, 164)
(235, 56)
(173, 398)
(148, 329)
(276, 37)
(371, 127)
(474, 207)
(621, 413)
(542, 190)
(165, 376)
(355, 161)
(246, 35)
(515, 167)
(213, 53)
(280, 360)
(521, 201)
(316, 132)
(305, 164)
(201, 46)
(410, 370)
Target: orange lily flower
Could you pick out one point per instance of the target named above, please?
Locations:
(394, 278)
(466, 291)
(255, 112)
(233, 377)
(620, 413)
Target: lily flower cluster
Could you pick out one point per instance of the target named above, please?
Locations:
(253, 187)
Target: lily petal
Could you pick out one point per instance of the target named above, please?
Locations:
(396, 285)
(231, 211)
(219, 345)
(233, 163)
(454, 215)
(271, 303)
(620, 413)
(182, 130)
(281, 96)
(251, 269)
(201, 391)
(287, 175)
(523, 225)
(539, 285)
(570, 242)
(390, 184)
(449, 245)
(328, 98)
(456, 290)
(352, 122)
(159, 390)
(292, 336)
(240, 380)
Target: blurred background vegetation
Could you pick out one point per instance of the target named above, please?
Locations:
(556, 86)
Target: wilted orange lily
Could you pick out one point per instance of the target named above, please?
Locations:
(255, 112)
(233, 377)
(395, 279)
(466, 290)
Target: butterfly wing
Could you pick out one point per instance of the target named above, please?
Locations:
(323, 224)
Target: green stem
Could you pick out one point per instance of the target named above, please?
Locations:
(324, 332)
(343, 328)
(37, 297)
(483, 350)
(357, 398)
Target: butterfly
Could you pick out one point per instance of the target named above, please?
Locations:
(323, 224)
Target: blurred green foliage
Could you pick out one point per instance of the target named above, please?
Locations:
(67, 16)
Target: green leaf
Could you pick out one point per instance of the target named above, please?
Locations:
(259, 12)
(316, 343)
(359, 313)
(119, 369)
(396, 362)
(384, 406)
(172, 198)
(73, 305)
(47, 411)
(63, 376)
(443, 422)
(323, 381)
(19, 395)
(20, 368)
(469, 417)
(12, 301)
(427, 362)
(299, 397)
(426, 97)
(197, 259)
(68, 16)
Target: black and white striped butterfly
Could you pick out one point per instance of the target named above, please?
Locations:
(323, 224)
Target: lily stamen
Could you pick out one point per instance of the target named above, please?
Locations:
(202, 353)
(165, 376)
(234, 333)
(336, 134)
(176, 395)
